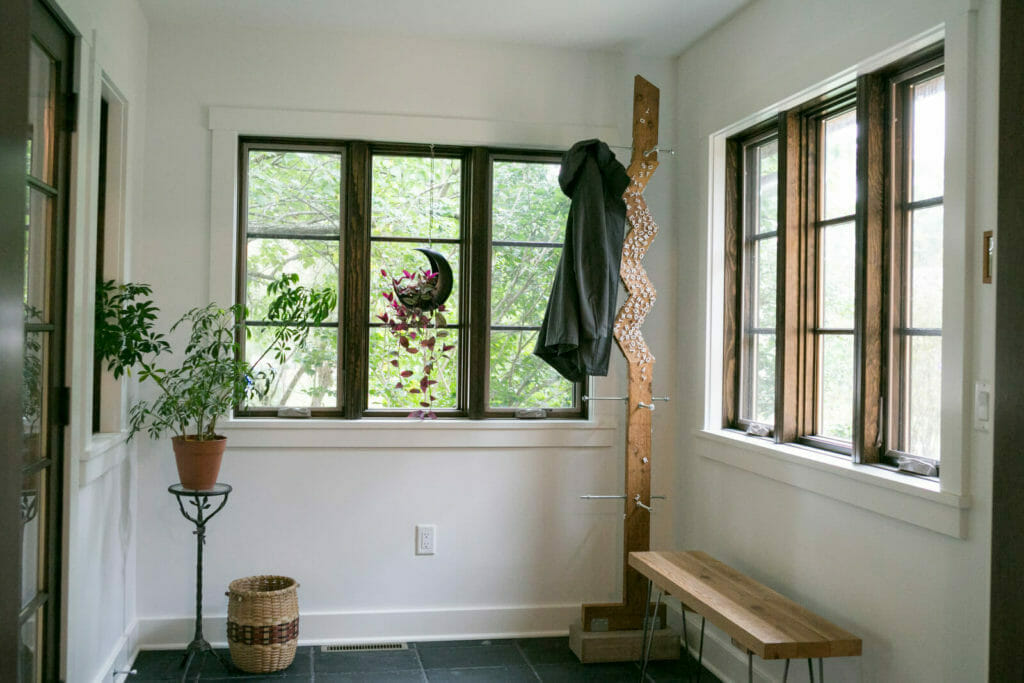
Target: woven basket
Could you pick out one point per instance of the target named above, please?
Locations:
(263, 622)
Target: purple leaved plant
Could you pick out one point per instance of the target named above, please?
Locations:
(420, 335)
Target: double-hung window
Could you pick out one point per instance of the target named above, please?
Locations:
(834, 228)
(340, 213)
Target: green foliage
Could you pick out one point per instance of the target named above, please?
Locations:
(124, 321)
(211, 379)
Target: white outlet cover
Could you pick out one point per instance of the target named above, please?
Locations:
(426, 539)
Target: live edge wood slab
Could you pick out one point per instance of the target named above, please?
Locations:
(757, 618)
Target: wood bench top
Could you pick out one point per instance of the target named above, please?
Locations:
(768, 624)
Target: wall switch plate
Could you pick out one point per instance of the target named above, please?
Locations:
(982, 406)
(426, 539)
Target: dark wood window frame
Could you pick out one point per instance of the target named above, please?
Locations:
(879, 208)
(354, 281)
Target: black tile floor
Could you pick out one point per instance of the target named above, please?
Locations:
(478, 661)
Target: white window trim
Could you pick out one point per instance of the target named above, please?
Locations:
(226, 124)
(940, 506)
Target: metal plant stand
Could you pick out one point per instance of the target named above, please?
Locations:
(201, 501)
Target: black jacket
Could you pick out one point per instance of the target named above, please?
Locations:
(576, 336)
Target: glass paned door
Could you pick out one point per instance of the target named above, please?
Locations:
(46, 166)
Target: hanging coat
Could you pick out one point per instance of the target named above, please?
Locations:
(576, 335)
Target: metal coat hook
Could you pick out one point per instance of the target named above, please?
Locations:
(595, 496)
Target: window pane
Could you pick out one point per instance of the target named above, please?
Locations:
(768, 187)
(394, 257)
(406, 190)
(835, 399)
(42, 84)
(384, 376)
(840, 161)
(39, 215)
(763, 305)
(521, 380)
(527, 203)
(521, 280)
(762, 373)
(307, 378)
(926, 267)
(316, 262)
(294, 193)
(929, 137)
(33, 535)
(925, 396)
(838, 261)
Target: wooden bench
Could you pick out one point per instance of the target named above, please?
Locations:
(757, 618)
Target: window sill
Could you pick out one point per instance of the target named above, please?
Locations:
(910, 499)
(392, 433)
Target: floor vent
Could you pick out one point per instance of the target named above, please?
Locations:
(365, 647)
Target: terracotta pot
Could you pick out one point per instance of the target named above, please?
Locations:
(198, 461)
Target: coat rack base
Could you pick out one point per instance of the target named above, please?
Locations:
(592, 647)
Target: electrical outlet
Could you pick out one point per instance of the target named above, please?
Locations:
(426, 539)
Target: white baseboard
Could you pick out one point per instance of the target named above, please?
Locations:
(375, 626)
(121, 656)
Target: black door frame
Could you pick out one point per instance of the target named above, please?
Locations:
(1007, 592)
(15, 27)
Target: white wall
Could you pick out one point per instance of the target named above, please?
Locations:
(99, 559)
(335, 505)
(918, 598)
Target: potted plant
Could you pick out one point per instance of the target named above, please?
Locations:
(414, 316)
(210, 379)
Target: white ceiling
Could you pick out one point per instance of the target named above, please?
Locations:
(647, 27)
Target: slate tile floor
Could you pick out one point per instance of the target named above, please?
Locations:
(468, 661)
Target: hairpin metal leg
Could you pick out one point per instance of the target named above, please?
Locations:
(686, 641)
(821, 670)
(785, 672)
(750, 667)
(810, 668)
(643, 636)
(652, 624)
(700, 652)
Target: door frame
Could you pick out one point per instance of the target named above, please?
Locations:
(15, 28)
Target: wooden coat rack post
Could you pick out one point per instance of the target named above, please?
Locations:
(628, 615)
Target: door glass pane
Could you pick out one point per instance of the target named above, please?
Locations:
(768, 187)
(42, 76)
(294, 193)
(38, 218)
(394, 258)
(29, 652)
(835, 400)
(925, 395)
(527, 203)
(929, 138)
(840, 165)
(316, 262)
(384, 376)
(408, 191)
(33, 539)
(308, 376)
(33, 407)
(926, 267)
(519, 379)
(837, 275)
(521, 280)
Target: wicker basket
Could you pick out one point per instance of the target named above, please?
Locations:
(263, 622)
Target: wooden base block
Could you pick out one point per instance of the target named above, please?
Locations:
(620, 646)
